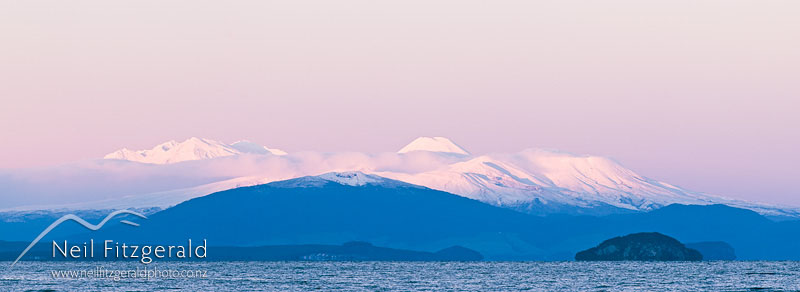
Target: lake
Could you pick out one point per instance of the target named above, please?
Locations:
(391, 276)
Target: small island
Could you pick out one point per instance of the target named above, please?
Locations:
(647, 246)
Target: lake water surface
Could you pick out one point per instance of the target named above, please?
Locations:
(406, 276)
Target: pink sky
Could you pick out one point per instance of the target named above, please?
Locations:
(702, 94)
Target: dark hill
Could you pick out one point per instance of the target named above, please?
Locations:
(313, 211)
(648, 246)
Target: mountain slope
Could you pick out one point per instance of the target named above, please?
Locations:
(330, 209)
(545, 182)
(340, 207)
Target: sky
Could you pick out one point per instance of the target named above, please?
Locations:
(701, 94)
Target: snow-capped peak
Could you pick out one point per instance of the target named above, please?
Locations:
(433, 144)
(190, 149)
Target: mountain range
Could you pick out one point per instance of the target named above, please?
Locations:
(336, 208)
(534, 181)
(191, 149)
(431, 195)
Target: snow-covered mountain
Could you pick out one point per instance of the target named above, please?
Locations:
(540, 181)
(191, 149)
(533, 180)
(433, 144)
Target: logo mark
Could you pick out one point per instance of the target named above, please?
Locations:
(83, 223)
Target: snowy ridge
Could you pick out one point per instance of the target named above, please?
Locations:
(571, 180)
(556, 179)
(191, 149)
